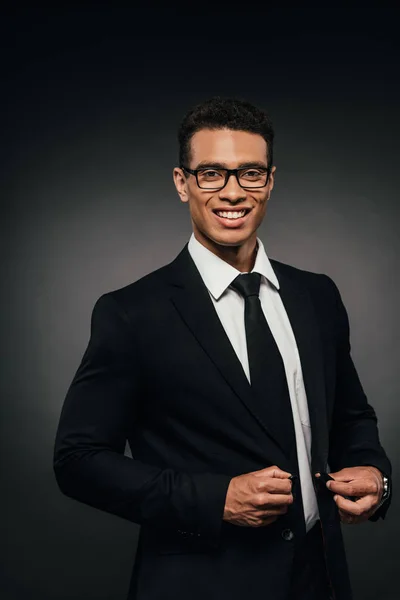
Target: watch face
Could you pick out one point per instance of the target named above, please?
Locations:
(385, 487)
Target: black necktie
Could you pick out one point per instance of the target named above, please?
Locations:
(267, 372)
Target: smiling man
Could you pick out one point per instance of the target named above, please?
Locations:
(230, 375)
(226, 211)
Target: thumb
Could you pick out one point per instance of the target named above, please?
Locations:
(344, 475)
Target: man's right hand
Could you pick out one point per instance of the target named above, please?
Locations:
(258, 498)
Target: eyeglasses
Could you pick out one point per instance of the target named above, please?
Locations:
(216, 179)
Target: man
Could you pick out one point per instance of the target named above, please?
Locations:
(231, 377)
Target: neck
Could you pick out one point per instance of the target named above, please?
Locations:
(241, 257)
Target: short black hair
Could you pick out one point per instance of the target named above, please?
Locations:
(224, 113)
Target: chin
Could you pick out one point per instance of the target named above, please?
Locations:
(230, 238)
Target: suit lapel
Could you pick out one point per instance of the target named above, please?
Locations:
(192, 300)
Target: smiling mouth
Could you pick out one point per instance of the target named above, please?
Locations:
(232, 214)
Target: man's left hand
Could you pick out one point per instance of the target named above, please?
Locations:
(363, 482)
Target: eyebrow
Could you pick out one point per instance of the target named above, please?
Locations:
(219, 165)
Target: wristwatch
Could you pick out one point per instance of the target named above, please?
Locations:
(386, 490)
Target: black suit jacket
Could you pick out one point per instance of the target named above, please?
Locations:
(160, 372)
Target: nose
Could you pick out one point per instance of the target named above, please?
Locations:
(232, 190)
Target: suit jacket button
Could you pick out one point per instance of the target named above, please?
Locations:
(287, 534)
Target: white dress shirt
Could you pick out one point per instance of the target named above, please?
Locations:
(229, 304)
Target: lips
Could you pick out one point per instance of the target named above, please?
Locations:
(225, 209)
(231, 222)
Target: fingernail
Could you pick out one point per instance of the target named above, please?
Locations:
(328, 485)
(335, 497)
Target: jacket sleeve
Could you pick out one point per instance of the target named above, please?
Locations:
(354, 436)
(100, 407)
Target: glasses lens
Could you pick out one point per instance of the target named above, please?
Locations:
(251, 178)
(211, 178)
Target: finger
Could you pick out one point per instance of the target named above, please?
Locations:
(272, 472)
(279, 474)
(354, 488)
(272, 500)
(277, 486)
(359, 507)
(348, 474)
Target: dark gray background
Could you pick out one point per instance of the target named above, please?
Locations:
(94, 101)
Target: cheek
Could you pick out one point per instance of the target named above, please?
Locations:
(199, 207)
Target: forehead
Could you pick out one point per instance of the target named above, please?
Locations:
(227, 146)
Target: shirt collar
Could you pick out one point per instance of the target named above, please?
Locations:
(218, 274)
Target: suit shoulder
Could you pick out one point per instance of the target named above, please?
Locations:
(136, 293)
(295, 272)
(319, 283)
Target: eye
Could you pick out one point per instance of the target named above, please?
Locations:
(210, 174)
(252, 173)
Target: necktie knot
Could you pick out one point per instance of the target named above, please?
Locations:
(247, 284)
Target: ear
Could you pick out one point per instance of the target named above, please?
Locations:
(180, 184)
(271, 179)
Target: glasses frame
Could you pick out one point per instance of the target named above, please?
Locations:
(229, 172)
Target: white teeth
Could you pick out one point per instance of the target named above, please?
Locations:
(231, 214)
